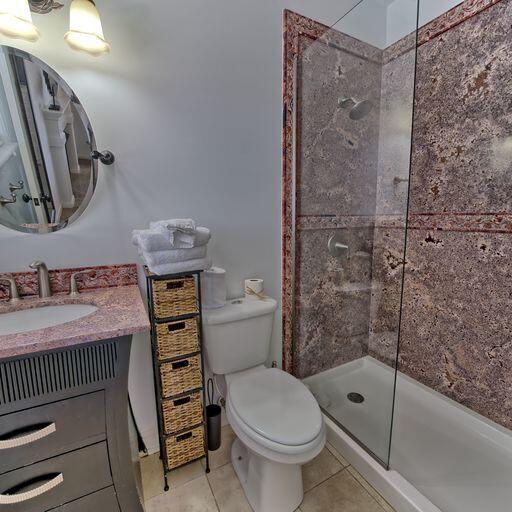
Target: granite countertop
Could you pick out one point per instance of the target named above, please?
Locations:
(120, 312)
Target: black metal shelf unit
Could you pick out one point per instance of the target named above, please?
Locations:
(157, 363)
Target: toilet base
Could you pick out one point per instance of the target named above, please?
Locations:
(269, 486)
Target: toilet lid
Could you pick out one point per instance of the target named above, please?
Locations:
(277, 406)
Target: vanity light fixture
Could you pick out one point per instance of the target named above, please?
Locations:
(16, 20)
(85, 31)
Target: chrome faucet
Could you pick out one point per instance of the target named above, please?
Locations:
(43, 279)
(73, 286)
(14, 296)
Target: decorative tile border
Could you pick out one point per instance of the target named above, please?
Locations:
(452, 18)
(462, 222)
(348, 222)
(294, 26)
(500, 222)
(104, 276)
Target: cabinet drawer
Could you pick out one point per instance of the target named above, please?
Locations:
(174, 297)
(42, 432)
(184, 448)
(183, 412)
(53, 482)
(176, 338)
(181, 376)
(101, 501)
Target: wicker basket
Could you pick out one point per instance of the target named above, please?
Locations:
(174, 297)
(176, 338)
(182, 413)
(184, 447)
(181, 376)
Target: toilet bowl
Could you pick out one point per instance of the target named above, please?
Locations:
(276, 419)
(279, 427)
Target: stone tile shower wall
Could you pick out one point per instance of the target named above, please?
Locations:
(336, 169)
(456, 332)
(457, 322)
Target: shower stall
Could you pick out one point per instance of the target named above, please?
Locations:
(351, 137)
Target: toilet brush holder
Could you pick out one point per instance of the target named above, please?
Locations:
(213, 420)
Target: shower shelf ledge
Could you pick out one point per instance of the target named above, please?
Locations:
(356, 287)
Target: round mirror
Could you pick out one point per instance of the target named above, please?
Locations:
(47, 175)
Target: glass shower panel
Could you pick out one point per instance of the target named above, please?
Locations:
(353, 115)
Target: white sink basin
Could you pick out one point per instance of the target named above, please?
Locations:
(39, 318)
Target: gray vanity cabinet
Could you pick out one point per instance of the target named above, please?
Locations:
(64, 437)
(98, 501)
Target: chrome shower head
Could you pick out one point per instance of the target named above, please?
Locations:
(358, 109)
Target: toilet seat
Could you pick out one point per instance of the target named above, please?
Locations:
(277, 406)
(288, 407)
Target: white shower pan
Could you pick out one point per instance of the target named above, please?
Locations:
(444, 457)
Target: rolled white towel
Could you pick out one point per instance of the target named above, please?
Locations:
(182, 232)
(182, 266)
(151, 240)
(174, 255)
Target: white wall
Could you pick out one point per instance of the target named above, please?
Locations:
(402, 14)
(189, 101)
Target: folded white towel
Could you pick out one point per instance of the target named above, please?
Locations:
(185, 225)
(149, 240)
(182, 266)
(182, 232)
(173, 255)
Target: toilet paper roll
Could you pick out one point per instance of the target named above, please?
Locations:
(213, 288)
(256, 285)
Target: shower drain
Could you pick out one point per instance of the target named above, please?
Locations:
(357, 398)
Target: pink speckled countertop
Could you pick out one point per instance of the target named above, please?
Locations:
(120, 312)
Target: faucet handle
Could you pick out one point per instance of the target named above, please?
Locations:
(73, 285)
(14, 295)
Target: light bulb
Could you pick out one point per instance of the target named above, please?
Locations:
(16, 20)
(85, 31)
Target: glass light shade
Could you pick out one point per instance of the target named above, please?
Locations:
(85, 31)
(16, 20)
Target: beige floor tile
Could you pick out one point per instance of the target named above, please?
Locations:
(227, 490)
(320, 469)
(344, 462)
(153, 476)
(195, 496)
(380, 500)
(341, 493)
(223, 455)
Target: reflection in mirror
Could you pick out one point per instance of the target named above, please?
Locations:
(47, 175)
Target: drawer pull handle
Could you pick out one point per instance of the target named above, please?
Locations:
(17, 441)
(176, 327)
(181, 401)
(183, 437)
(180, 364)
(176, 285)
(11, 499)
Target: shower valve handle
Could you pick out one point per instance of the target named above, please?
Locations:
(336, 247)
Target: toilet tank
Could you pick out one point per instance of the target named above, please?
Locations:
(237, 336)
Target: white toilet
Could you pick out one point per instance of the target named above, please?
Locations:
(277, 421)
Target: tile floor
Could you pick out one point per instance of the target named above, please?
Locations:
(330, 484)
